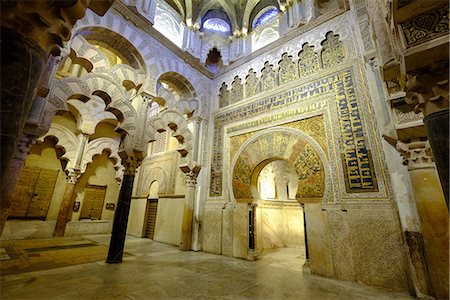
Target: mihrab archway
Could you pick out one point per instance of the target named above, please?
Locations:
(291, 145)
(276, 223)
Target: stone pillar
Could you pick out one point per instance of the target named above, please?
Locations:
(67, 203)
(119, 230)
(433, 214)
(188, 211)
(26, 44)
(25, 143)
(18, 57)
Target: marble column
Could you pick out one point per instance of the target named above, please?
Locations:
(306, 264)
(191, 174)
(119, 230)
(437, 126)
(433, 214)
(188, 211)
(66, 204)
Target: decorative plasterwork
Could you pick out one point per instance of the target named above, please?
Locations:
(426, 27)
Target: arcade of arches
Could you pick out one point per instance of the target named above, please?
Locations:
(234, 128)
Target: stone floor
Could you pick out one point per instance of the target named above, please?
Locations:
(158, 271)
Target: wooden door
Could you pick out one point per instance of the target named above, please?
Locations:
(150, 221)
(92, 206)
(33, 193)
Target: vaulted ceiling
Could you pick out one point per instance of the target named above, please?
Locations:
(239, 12)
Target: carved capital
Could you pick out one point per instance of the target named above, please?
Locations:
(46, 23)
(417, 154)
(191, 174)
(72, 175)
(427, 90)
(24, 146)
(130, 164)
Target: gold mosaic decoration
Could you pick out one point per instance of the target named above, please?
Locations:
(278, 145)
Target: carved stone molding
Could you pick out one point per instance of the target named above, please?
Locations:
(417, 154)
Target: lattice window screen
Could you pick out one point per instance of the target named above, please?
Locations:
(160, 144)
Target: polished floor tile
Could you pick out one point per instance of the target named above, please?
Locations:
(159, 271)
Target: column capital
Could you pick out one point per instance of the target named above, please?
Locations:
(427, 89)
(191, 174)
(26, 141)
(417, 154)
(130, 162)
(72, 175)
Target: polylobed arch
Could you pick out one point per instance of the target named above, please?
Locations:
(291, 145)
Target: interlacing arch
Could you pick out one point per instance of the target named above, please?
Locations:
(113, 93)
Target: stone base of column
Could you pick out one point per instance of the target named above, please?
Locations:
(437, 125)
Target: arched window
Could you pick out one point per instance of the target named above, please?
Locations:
(217, 24)
(266, 15)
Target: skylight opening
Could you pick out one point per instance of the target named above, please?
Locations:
(266, 16)
(217, 24)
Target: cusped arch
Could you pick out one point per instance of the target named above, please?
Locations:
(67, 140)
(291, 145)
(96, 147)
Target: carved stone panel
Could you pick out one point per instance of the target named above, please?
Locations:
(268, 77)
(252, 84)
(425, 27)
(308, 62)
(224, 96)
(286, 70)
(333, 51)
(237, 90)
